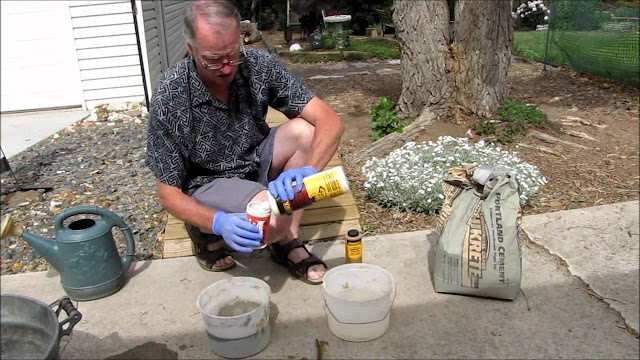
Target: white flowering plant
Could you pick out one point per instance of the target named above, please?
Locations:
(410, 178)
(530, 14)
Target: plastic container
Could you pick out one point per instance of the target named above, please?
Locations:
(259, 214)
(353, 246)
(358, 300)
(323, 185)
(236, 316)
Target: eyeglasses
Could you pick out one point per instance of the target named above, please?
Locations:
(217, 62)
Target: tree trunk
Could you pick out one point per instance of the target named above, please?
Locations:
(480, 55)
(423, 31)
(443, 72)
(254, 11)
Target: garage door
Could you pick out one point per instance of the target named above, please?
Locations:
(38, 61)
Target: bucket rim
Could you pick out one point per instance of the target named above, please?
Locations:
(354, 267)
(54, 341)
(250, 279)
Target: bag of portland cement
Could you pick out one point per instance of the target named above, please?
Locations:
(478, 250)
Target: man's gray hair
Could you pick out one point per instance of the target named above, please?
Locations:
(211, 11)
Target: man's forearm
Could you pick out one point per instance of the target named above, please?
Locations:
(328, 131)
(184, 207)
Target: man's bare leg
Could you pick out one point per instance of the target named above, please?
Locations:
(292, 150)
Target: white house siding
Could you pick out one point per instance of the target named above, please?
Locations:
(107, 51)
(163, 27)
(38, 65)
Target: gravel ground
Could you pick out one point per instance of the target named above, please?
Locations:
(91, 162)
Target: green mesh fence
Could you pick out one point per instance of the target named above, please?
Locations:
(595, 38)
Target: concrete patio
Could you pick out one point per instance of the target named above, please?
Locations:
(21, 130)
(155, 314)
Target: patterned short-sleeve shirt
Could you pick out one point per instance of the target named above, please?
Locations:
(194, 138)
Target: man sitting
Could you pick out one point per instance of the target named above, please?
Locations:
(212, 151)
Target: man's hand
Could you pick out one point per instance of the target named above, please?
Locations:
(282, 188)
(236, 231)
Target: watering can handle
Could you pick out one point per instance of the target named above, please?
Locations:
(107, 215)
(395, 291)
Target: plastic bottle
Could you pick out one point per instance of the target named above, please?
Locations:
(353, 246)
(323, 185)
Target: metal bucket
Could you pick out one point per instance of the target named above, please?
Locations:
(30, 328)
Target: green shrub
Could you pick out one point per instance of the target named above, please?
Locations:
(384, 119)
(334, 38)
(516, 117)
(329, 43)
(485, 127)
(518, 112)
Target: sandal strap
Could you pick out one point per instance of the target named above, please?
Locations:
(309, 262)
(285, 249)
(198, 237)
(208, 255)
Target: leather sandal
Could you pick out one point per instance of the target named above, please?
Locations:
(206, 258)
(280, 255)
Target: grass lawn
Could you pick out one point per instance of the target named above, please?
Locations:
(379, 48)
(359, 50)
(609, 54)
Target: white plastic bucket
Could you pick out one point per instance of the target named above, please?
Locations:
(240, 335)
(358, 300)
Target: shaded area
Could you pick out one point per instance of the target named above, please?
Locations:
(148, 350)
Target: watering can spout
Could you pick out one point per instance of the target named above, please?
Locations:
(47, 248)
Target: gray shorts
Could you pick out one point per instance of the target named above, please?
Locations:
(233, 194)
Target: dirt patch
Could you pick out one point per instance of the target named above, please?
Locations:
(605, 173)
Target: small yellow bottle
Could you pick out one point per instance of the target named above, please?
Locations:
(353, 246)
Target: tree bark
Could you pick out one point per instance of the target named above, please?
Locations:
(254, 11)
(422, 28)
(443, 72)
(480, 55)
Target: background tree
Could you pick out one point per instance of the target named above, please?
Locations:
(448, 68)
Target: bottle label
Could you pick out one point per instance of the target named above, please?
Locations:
(323, 185)
(354, 251)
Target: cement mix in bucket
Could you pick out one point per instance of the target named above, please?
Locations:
(236, 316)
(358, 300)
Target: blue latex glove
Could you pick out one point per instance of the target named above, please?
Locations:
(281, 187)
(236, 231)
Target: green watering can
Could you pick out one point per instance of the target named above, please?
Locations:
(83, 252)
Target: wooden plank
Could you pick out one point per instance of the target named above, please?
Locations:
(177, 248)
(325, 215)
(173, 220)
(342, 200)
(175, 231)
